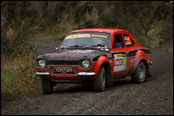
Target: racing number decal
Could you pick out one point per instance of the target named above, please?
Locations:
(120, 62)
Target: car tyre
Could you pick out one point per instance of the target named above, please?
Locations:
(47, 86)
(99, 83)
(140, 73)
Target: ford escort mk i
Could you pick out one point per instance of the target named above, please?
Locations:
(97, 56)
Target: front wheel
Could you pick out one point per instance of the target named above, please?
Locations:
(99, 83)
(140, 73)
(47, 86)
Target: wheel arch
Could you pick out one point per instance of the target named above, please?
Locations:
(108, 71)
(146, 66)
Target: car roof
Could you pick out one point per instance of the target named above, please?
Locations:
(110, 30)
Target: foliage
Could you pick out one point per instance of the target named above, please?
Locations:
(17, 76)
(15, 47)
(54, 19)
(17, 67)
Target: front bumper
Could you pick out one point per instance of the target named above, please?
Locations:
(42, 73)
(86, 73)
(79, 74)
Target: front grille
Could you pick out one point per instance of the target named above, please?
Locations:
(63, 63)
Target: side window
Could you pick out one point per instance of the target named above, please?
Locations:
(118, 41)
(128, 40)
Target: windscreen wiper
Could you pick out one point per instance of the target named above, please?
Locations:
(76, 46)
(98, 45)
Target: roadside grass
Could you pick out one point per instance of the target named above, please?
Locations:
(17, 76)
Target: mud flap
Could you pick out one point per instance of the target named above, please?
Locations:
(148, 71)
(109, 79)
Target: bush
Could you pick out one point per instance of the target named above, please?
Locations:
(17, 76)
(15, 47)
(17, 67)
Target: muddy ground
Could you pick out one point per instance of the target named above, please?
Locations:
(155, 96)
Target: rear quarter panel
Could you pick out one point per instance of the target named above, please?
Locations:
(140, 55)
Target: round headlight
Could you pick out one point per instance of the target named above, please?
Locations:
(41, 63)
(85, 63)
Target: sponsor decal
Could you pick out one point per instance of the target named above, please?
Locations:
(77, 36)
(100, 36)
(127, 40)
(85, 36)
(120, 62)
(124, 55)
(119, 55)
(124, 61)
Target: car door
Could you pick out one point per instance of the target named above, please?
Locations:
(118, 50)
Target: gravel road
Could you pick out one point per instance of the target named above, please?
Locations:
(155, 96)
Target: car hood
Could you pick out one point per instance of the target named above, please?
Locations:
(72, 55)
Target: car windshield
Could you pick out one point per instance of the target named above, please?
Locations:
(86, 40)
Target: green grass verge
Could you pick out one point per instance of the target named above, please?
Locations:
(17, 76)
(17, 68)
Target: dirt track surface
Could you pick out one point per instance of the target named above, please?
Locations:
(155, 96)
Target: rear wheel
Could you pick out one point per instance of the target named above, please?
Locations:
(99, 83)
(140, 73)
(47, 86)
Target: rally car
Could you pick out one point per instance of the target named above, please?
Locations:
(96, 55)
